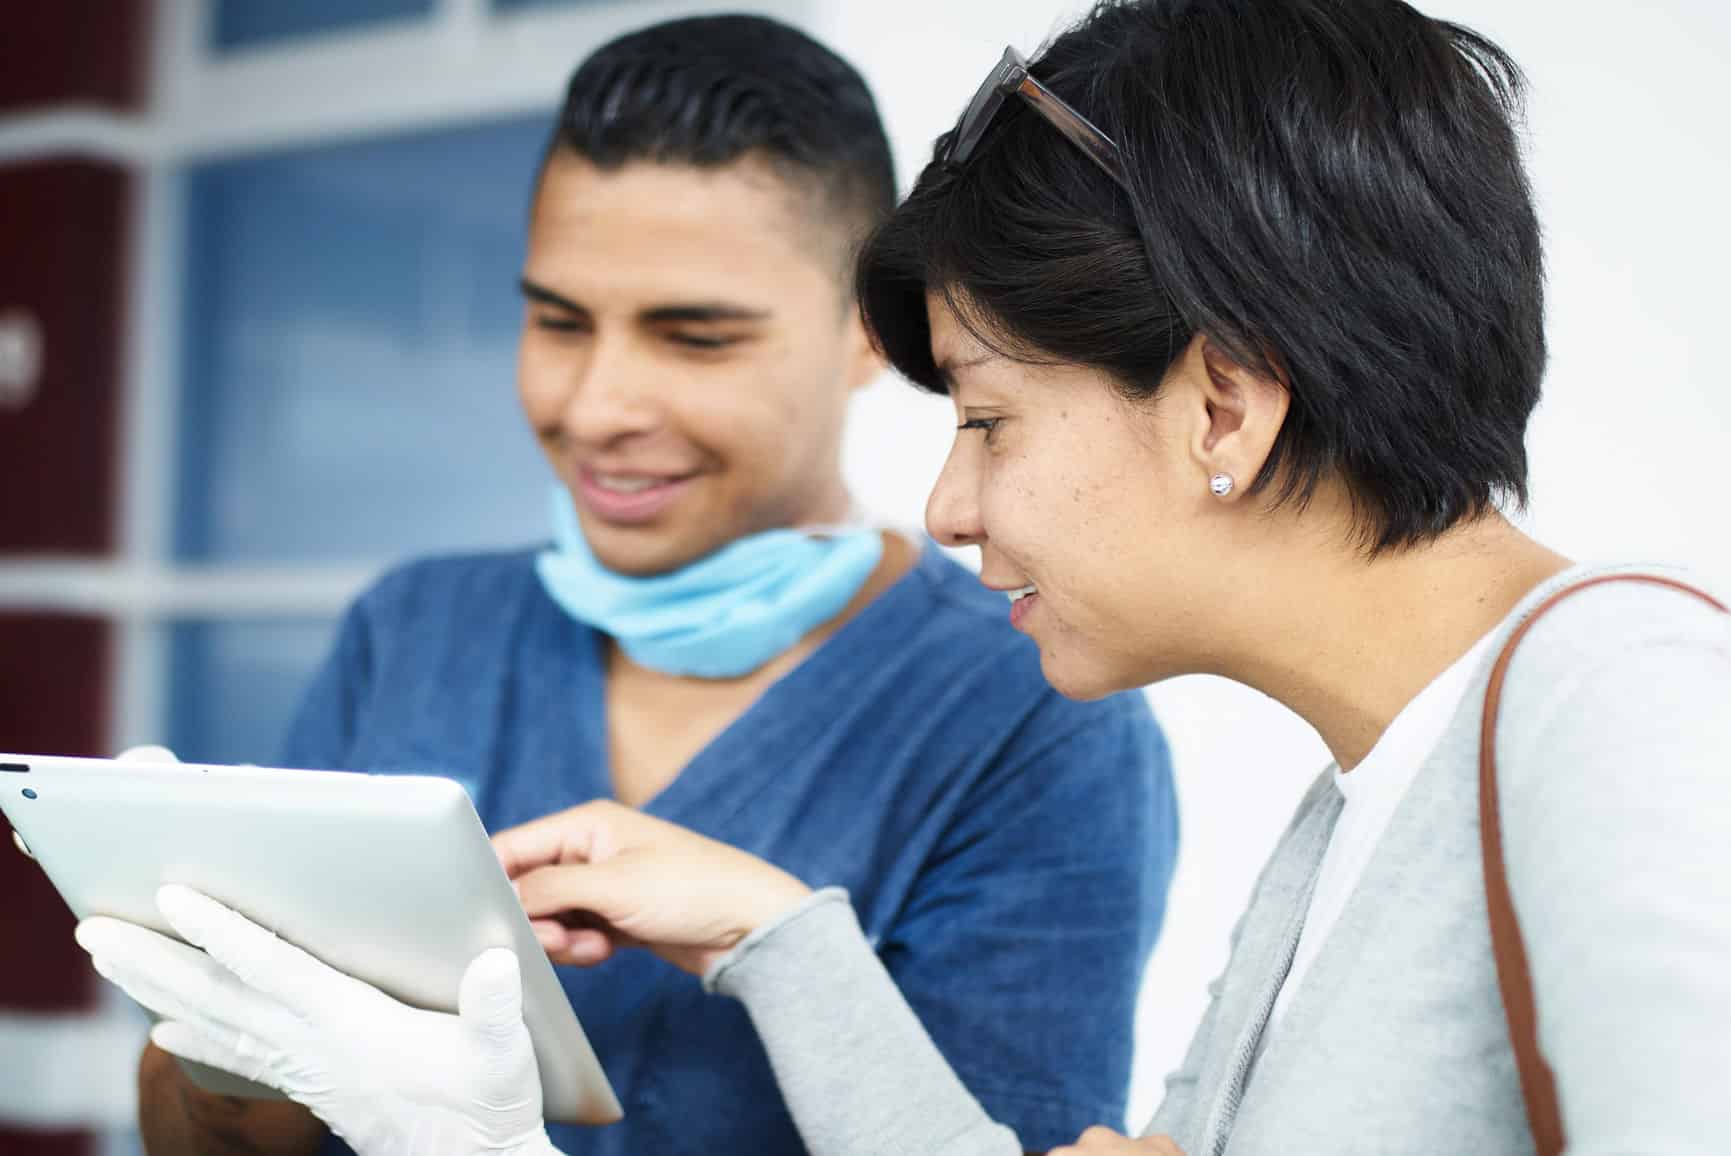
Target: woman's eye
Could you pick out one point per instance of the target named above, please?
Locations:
(985, 425)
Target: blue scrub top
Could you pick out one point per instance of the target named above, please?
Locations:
(1008, 850)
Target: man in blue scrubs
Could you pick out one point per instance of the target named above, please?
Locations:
(848, 704)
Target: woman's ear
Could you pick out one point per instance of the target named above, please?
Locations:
(1240, 412)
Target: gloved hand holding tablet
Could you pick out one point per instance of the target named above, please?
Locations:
(319, 898)
(384, 1076)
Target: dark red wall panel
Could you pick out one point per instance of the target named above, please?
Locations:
(84, 52)
(45, 1143)
(63, 248)
(53, 700)
(62, 292)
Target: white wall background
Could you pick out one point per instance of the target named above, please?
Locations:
(1631, 158)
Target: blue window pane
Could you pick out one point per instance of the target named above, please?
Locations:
(234, 686)
(350, 350)
(249, 23)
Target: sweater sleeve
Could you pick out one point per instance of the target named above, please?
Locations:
(1615, 764)
(857, 1070)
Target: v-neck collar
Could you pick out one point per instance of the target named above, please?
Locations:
(728, 771)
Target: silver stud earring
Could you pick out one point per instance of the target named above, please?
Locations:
(1221, 484)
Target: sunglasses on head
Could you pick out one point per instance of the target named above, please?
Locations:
(1011, 78)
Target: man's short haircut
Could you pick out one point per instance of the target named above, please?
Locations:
(712, 90)
(1332, 190)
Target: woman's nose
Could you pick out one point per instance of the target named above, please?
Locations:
(953, 510)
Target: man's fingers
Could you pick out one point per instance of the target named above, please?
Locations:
(566, 837)
(226, 1051)
(169, 978)
(280, 970)
(162, 1001)
(146, 754)
(177, 981)
(490, 997)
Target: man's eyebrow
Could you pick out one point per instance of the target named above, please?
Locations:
(699, 312)
(690, 313)
(949, 367)
(546, 296)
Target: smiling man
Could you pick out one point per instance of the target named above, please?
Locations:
(712, 638)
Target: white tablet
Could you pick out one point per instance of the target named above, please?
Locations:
(388, 878)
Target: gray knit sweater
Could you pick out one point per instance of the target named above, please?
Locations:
(1615, 757)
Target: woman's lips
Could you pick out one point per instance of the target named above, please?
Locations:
(1021, 608)
(628, 507)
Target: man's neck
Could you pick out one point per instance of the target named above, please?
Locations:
(658, 722)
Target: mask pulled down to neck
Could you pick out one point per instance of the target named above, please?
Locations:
(722, 616)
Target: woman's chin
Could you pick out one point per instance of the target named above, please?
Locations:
(1075, 675)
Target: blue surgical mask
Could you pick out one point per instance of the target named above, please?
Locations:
(722, 616)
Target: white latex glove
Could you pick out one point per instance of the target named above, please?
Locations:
(147, 754)
(389, 1079)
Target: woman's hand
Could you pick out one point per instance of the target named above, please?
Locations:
(389, 1079)
(1105, 1142)
(603, 876)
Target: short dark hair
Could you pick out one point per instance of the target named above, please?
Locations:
(711, 90)
(1331, 189)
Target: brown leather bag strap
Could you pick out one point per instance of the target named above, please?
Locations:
(1538, 1086)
